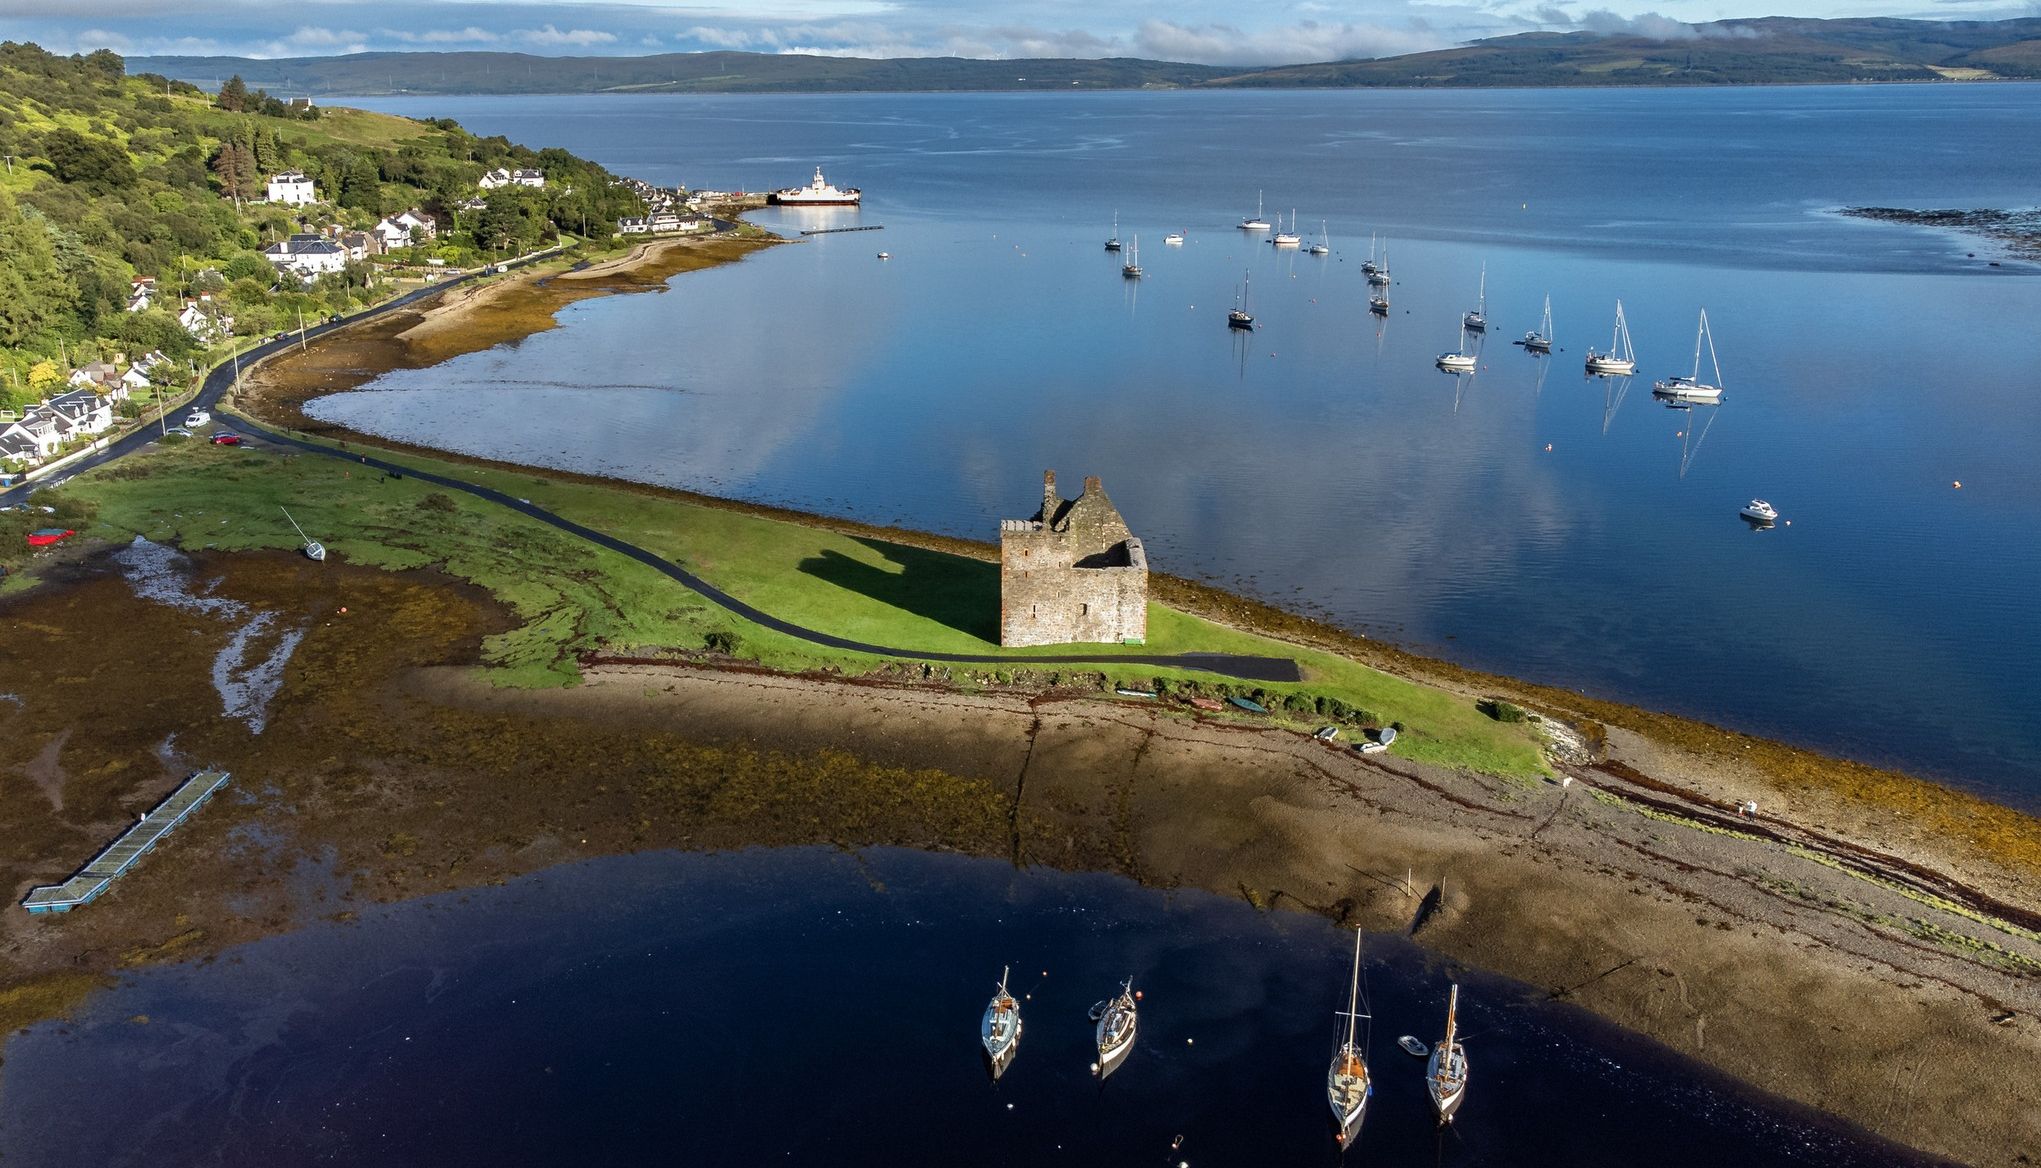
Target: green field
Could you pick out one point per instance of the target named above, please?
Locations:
(573, 597)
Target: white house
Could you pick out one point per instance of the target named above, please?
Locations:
(306, 256)
(82, 411)
(631, 226)
(98, 376)
(203, 325)
(413, 226)
(292, 188)
(504, 178)
(141, 290)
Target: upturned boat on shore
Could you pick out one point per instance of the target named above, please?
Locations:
(1000, 1030)
(1118, 1018)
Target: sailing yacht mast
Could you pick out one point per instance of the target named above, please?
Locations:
(1353, 997)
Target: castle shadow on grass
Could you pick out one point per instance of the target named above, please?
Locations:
(955, 591)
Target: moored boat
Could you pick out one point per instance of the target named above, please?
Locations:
(1620, 360)
(1378, 275)
(1759, 511)
(313, 549)
(1446, 1072)
(1240, 318)
(1000, 1030)
(1346, 1081)
(1173, 239)
(818, 193)
(1477, 320)
(1118, 1019)
(1539, 340)
(1691, 388)
(1324, 244)
(1113, 240)
(1257, 223)
(1132, 268)
(1288, 238)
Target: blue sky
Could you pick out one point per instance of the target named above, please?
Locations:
(1215, 31)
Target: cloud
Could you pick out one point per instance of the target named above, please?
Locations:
(553, 37)
(470, 35)
(1310, 41)
(1651, 25)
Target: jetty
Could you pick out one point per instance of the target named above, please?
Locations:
(122, 853)
(841, 230)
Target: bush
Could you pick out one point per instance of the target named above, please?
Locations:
(721, 642)
(438, 501)
(1500, 710)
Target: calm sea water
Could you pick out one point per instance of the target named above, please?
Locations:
(812, 1007)
(1526, 519)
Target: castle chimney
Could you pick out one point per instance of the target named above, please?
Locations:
(1092, 486)
(1050, 499)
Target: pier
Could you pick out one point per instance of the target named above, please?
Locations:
(121, 854)
(840, 230)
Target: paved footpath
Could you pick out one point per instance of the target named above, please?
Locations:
(1243, 666)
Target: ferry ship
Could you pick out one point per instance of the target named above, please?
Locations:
(818, 193)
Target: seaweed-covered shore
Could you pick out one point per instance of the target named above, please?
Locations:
(2017, 232)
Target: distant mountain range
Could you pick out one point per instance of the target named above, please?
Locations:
(1764, 51)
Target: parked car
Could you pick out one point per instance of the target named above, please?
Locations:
(177, 432)
(197, 418)
(223, 438)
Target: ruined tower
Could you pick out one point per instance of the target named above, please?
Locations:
(1072, 574)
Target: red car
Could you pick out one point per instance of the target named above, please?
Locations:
(225, 439)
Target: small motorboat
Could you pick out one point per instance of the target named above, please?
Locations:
(1456, 362)
(1249, 704)
(1413, 1046)
(1118, 1018)
(1000, 1029)
(1326, 733)
(885, 255)
(1380, 742)
(1759, 511)
(1173, 239)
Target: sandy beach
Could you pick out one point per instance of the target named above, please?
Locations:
(1865, 944)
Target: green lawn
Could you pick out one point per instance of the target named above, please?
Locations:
(574, 597)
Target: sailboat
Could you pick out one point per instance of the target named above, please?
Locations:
(1446, 1072)
(1691, 388)
(1477, 320)
(1240, 318)
(1378, 302)
(1368, 265)
(1113, 243)
(1324, 244)
(1257, 223)
(1288, 238)
(1116, 1023)
(1459, 360)
(1132, 268)
(1346, 1080)
(1000, 1030)
(1620, 360)
(313, 549)
(1539, 340)
(1379, 274)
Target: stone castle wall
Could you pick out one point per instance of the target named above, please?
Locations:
(1074, 574)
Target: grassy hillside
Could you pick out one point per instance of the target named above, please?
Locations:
(1770, 50)
(718, 72)
(112, 176)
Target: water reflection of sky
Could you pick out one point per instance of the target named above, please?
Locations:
(1322, 462)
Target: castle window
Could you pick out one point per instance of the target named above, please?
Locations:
(1032, 614)
(1084, 610)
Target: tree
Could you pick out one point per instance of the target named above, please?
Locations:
(234, 166)
(29, 277)
(234, 94)
(96, 163)
(44, 376)
(361, 184)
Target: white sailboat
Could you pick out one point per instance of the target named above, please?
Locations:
(1446, 1072)
(1620, 360)
(1117, 1020)
(1257, 223)
(1288, 238)
(313, 549)
(1691, 388)
(1378, 301)
(1459, 360)
(1378, 275)
(1477, 320)
(1000, 1029)
(1539, 340)
(1346, 1081)
(1324, 244)
(1132, 268)
(1240, 317)
(1368, 265)
(1113, 241)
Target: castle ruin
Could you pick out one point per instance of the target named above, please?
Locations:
(1072, 574)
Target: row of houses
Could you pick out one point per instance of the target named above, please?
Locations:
(663, 222)
(83, 411)
(500, 177)
(309, 255)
